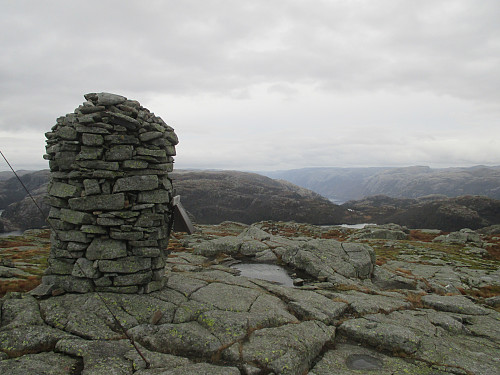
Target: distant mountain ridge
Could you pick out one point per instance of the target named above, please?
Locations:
(431, 212)
(216, 196)
(344, 184)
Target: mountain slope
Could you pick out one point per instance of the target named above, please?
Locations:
(344, 184)
(215, 196)
(432, 212)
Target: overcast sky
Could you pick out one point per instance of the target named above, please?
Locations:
(264, 84)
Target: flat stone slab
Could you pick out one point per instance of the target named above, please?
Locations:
(456, 304)
(289, 349)
(348, 359)
(42, 363)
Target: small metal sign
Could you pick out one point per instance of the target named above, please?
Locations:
(182, 223)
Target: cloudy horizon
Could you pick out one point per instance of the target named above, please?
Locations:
(264, 85)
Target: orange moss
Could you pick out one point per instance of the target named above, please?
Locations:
(494, 251)
(406, 272)
(417, 235)
(415, 299)
(484, 292)
(381, 260)
(19, 285)
(5, 244)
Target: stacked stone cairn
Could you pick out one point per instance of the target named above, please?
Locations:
(110, 197)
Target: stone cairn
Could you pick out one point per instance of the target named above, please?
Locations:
(110, 197)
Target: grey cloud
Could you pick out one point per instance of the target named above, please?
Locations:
(54, 51)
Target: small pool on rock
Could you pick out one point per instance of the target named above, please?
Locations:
(264, 271)
(363, 362)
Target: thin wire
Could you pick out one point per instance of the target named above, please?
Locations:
(148, 364)
(22, 183)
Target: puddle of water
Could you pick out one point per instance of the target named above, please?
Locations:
(363, 362)
(263, 271)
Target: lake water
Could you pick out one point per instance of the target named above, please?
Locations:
(356, 226)
(263, 271)
(14, 233)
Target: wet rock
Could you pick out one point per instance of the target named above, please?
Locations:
(353, 359)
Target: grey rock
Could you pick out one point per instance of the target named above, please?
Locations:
(98, 202)
(388, 336)
(148, 136)
(363, 303)
(493, 301)
(349, 359)
(185, 285)
(105, 98)
(129, 264)
(30, 339)
(19, 312)
(91, 187)
(380, 233)
(327, 257)
(222, 296)
(461, 237)
(194, 368)
(137, 183)
(67, 133)
(228, 245)
(42, 363)
(119, 153)
(99, 357)
(184, 338)
(63, 190)
(289, 349)
(124, 120)
(456, 304)
(106, 249)
(128, 236)
(92, 139)
(85, 268)
(69, 283)
(307, 304)
(76, 217)
(154, 196)
(7, 272)
(73, 236)
(99, 164)
(161, 361)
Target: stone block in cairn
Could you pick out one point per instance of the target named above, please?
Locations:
(110, 196)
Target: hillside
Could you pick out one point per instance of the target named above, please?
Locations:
(215, 196)
(344, 184)
(432, 212)
(211, 197)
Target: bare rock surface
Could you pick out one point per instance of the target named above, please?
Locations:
(373, 306)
